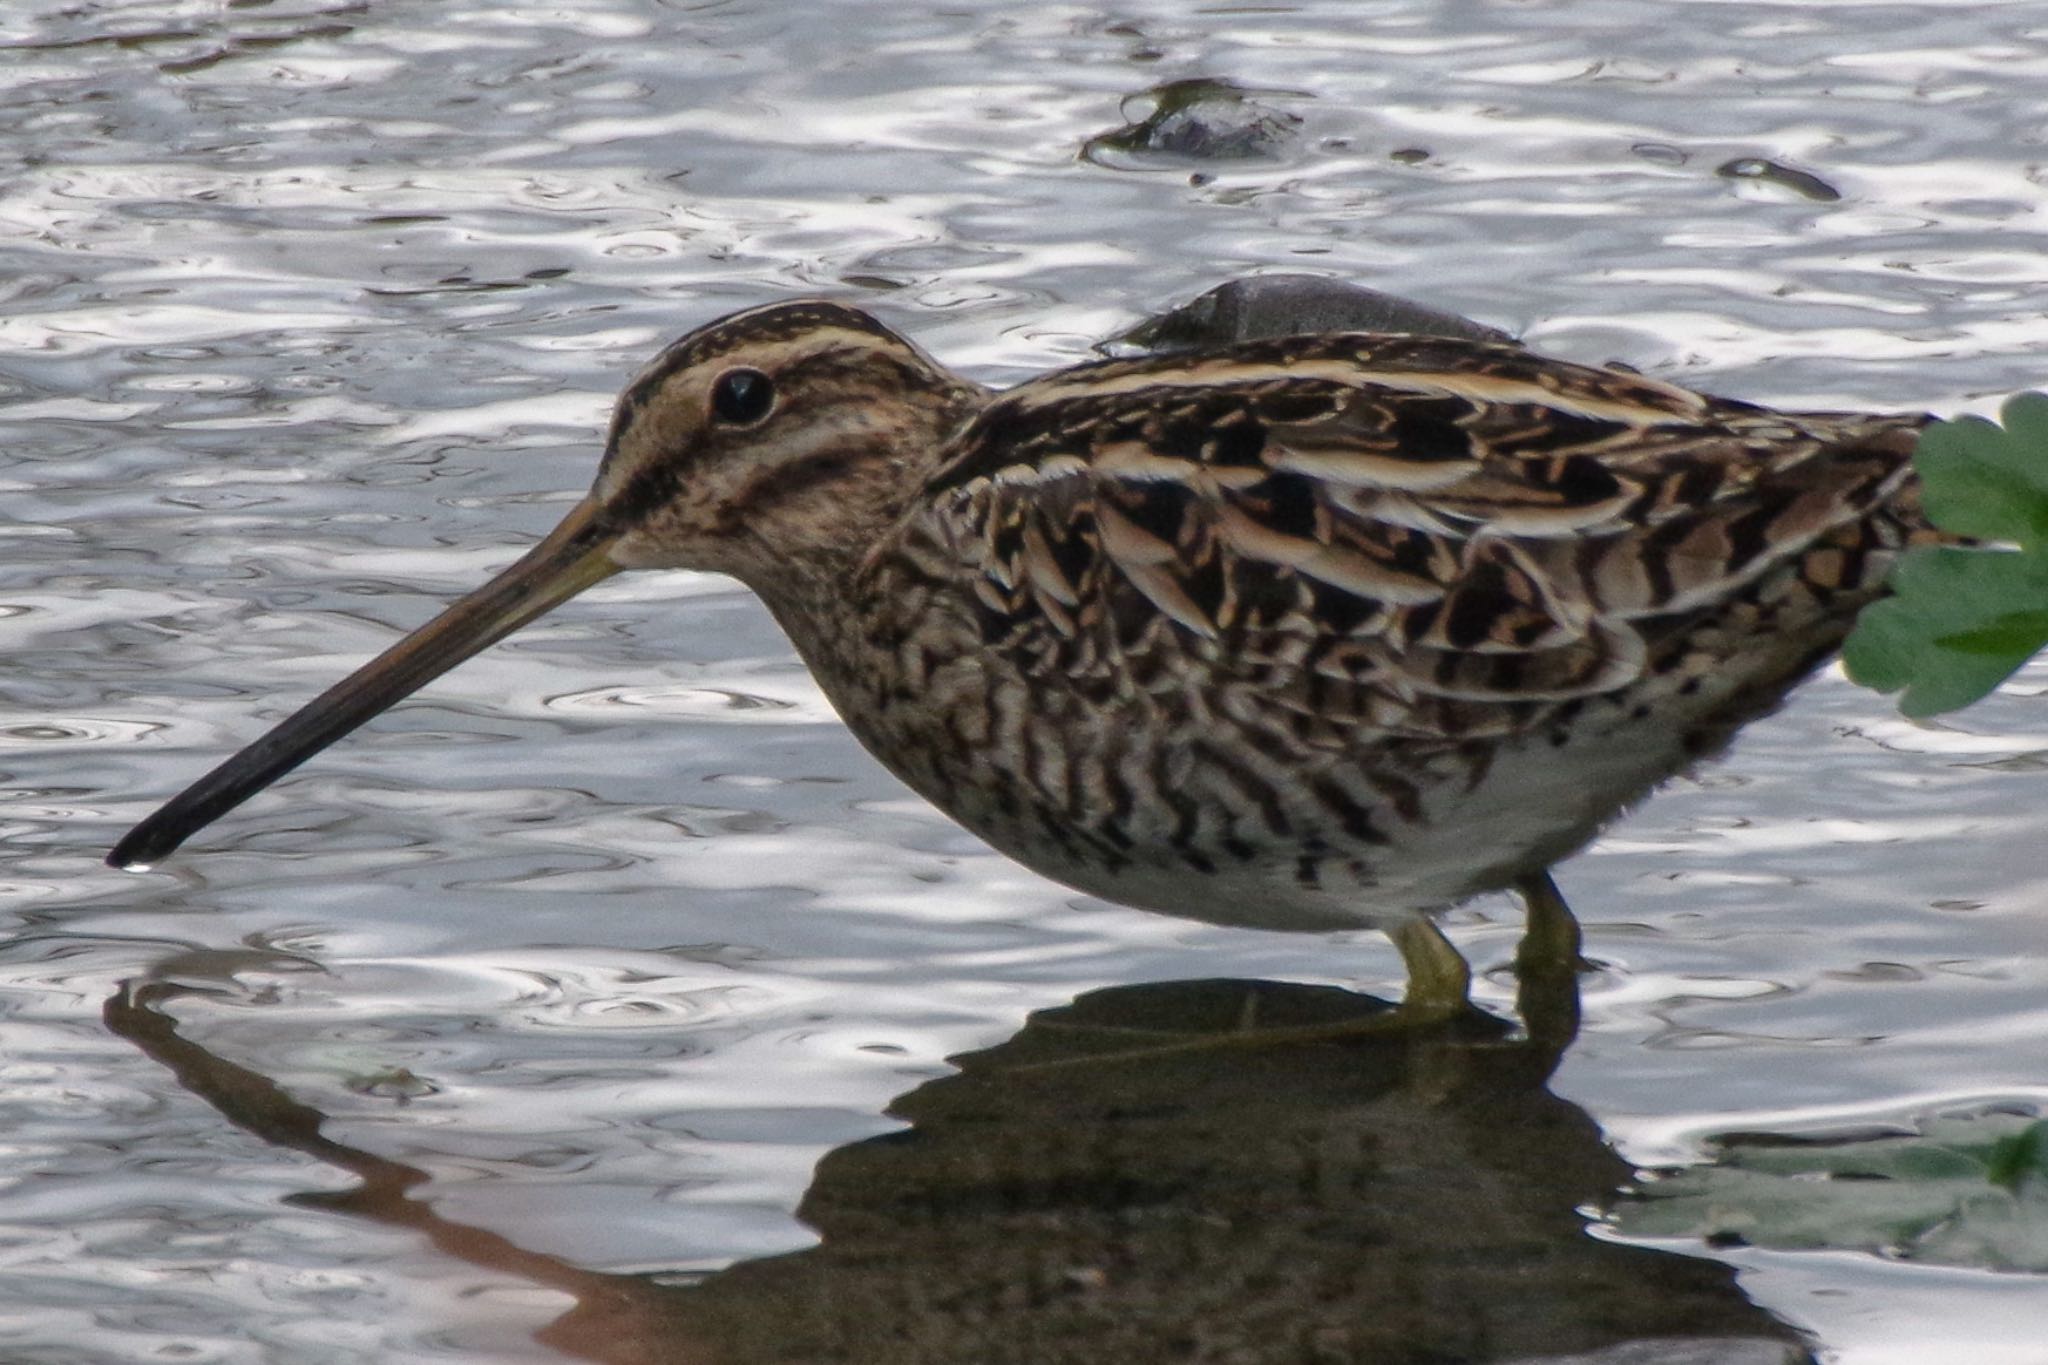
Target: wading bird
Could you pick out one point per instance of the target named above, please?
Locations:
(1311, 632)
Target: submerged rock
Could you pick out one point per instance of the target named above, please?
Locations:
(1201, 119)
(1291, 305)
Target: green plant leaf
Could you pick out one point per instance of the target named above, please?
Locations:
(2025, 418)
(2015, 633)
(1953, 628)
(1964, 1190)
(2018, 1155)
(1989, 482)
(1961, 621)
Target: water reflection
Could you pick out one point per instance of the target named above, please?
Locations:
(1198, 1170)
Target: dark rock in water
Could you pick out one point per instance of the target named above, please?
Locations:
(1774, 173)
(1291, 305)
(1202, 119)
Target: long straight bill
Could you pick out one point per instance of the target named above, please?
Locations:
(574, 555)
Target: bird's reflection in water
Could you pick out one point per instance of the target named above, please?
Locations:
(1140, 1176)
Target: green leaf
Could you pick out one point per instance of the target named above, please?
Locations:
(2025, 418)
(1973, 496)
(1961, 621)
(1951, 632)
(2018, 1155)
(1988, 483)
(2015, 633)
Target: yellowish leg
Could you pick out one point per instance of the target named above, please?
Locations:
(1439, 980)
(1551, 941)
(1547, 965)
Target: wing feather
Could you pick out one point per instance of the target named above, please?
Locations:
(1428, 522)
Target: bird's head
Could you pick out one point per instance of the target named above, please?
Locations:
(777, 436)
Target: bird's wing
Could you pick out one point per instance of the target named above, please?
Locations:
(1386, 526)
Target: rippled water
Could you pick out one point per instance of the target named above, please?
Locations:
(312, 314)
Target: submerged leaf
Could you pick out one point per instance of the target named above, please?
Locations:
(1963, 1190)
(2017, 1156)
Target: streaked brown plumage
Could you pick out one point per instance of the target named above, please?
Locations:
(1301, 633)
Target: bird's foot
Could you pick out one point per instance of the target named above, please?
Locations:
(1437, 1004)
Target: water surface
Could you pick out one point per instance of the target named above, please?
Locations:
(312, 316)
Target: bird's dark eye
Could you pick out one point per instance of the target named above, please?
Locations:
(742, 396)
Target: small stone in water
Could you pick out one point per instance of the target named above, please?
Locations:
(1204, 119)
(1772, 172)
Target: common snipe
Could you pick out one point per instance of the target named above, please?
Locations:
(1305, 633)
